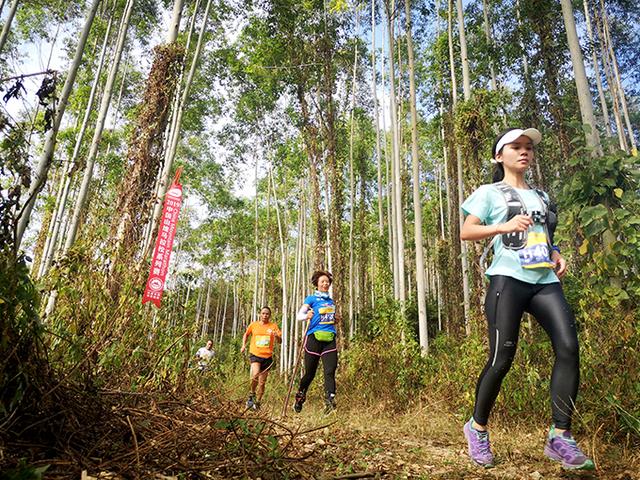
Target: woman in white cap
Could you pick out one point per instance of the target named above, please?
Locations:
(523, 277)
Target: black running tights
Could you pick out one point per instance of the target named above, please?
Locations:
(314, 350)
(507, 299)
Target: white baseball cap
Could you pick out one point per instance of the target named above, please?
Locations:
(512, 135)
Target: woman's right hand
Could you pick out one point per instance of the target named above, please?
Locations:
(310, 314)
(519, 223)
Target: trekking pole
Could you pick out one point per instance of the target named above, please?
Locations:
(295, 372)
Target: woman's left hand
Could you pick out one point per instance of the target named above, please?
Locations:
(561, 264)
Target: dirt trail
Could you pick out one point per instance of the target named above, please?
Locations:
(209, 433)
(363, 444)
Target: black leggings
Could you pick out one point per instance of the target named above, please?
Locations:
(507, 299)
(314, 350)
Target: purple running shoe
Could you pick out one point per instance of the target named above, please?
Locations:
(564, 449)
(479, 446)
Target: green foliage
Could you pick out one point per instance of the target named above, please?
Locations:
(474, 129)
(20, 331)
(24, 471)
(35, 18)
(600, 208)
(20, 328)
(453, 366)
(384, 368)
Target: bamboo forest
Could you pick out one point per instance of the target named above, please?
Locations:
(319, 239)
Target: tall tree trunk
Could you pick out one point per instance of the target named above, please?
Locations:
(387, 182)
(143, 156)
(217, 313)
(396, 169)
(596, 73)
(392, 250)
(489, 38)
(46, 157)
(71, 165)
(310, 135)
(265, 255)
(283, 274)
(542, 26)
(464, 257)
(168, 137)
(618, 79)
(613, 88)
(352, 198)
(176, 17)
(464, 58)
(297, 276)
(417, 200)
(97, 133)
(234, 329)
(254, 310)
(334, 179)
(198, 305)
(224, 313)
(173, 144)
(207, 306)
(582, 85)
(376, 115)
(6, 28)
(525, 61)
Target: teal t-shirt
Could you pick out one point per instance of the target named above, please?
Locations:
(488, 204)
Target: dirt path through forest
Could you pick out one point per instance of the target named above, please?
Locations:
(425, 444)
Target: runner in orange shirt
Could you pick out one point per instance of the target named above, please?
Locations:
(263, 333)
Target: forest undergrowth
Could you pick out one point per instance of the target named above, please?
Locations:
(205, 431)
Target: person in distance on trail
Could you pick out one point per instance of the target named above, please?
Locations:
(320, 341)
(523, 277)
(263, 333)
(204, 355)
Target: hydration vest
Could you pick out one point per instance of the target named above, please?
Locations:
(548, 217)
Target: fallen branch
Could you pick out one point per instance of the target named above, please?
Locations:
(357, 475)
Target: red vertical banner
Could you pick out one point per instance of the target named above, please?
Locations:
(164, 243)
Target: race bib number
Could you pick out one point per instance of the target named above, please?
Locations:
(327, 315)
(263, 340)
(536, 253)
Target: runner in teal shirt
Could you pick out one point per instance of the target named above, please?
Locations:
(487, 203)
(523, 277)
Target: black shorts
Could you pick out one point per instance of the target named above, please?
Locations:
(265, 363)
